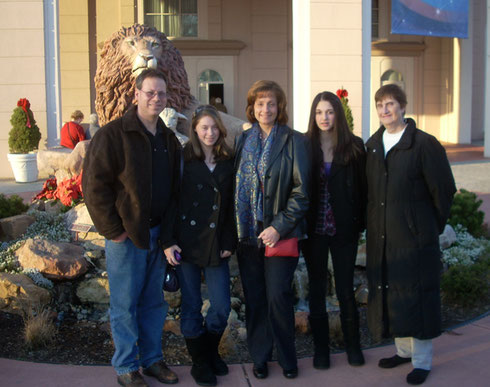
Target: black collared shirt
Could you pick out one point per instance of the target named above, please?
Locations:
(161, 177)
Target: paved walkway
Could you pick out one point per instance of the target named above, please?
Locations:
(461, 356)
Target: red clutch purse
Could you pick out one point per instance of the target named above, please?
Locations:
(283, 248)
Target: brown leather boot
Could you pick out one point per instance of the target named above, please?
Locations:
(131, 379)
(160, 371)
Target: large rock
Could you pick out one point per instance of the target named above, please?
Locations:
(52, 159)
(172, 326)
(73, 163)
(447, 238)
(14, 226)
(95, 290)
(174, 299)
(18, 291)
(55, 260)
(301, 322)
(361, 255)
(78, 215)
(53, 206)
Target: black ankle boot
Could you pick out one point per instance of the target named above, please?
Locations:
(350, 329)
(355, 356)
(320, 332)
(200, 371)
(218, 366)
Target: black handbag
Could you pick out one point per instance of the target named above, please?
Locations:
(170, 280)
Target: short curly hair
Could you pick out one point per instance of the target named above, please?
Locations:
(262, 88)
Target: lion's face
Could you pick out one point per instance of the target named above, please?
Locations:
(142, 52)
(127, 53)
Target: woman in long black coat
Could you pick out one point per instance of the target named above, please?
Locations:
(335, 220)
(205, 236)
(410, 191)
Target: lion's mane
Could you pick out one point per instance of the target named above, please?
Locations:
(114, 80)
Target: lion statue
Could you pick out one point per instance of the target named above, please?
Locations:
(128, 52)
(124, 55)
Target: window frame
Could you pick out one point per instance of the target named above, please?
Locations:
(202, 18)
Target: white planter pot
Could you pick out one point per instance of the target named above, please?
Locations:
(24, 167)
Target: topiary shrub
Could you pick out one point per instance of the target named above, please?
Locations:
(342, 94)
(24, 136)
(465, 211)
(10, 206)
(467, 285)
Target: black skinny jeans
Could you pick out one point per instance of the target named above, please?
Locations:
(315, 250)
(269, 301)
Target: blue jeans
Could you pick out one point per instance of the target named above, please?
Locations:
(218, 281)
(137, 309)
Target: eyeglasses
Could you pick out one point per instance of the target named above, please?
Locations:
(202, 108)
(152, 94)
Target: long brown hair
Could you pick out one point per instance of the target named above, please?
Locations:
(262, 88)
(193, 151)
(345, 147)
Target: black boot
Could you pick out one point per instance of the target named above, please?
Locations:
(321, 334)
(201, 372)
(218, 366)
(350, 329)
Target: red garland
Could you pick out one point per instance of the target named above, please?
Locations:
(342, 93)
(25, 105)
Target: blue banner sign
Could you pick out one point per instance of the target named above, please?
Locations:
(445, 18)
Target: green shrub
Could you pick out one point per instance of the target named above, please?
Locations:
(14, 205)
(348, 113)
(465, 211)
(468, 285)
(23, 139)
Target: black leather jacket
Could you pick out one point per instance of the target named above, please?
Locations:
(287, 182)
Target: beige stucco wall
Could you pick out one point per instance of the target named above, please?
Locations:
(74, 58)
(336, 51)
(22, 64)
(111, 16)
(265, 28)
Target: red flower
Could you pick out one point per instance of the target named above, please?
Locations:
(342, 93)
(68, 192)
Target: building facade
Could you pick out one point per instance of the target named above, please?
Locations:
(50, 53)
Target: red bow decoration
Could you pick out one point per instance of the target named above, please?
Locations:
(342, 93)
(24, 104)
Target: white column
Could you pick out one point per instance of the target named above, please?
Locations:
(466, 82)
(52, 71)
(486, 121)
(301, 63)
(366, 68)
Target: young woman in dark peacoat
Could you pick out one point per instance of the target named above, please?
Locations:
(205, 236)
(410, 191)
(335, 220)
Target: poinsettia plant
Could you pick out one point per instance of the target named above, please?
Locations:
(68, 192)
(343, 94)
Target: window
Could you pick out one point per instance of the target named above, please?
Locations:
(175, 18)
(374, 19)
(392, 77)
(211, 87)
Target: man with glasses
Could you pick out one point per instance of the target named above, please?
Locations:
(130, 177)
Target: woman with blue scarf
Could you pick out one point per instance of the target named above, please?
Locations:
(271, 200)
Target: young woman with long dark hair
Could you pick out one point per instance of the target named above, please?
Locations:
(335, 220)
